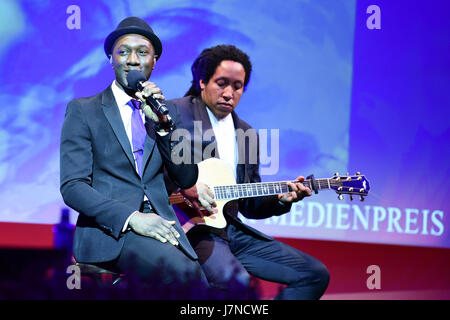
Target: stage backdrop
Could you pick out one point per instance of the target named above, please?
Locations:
(338, 86)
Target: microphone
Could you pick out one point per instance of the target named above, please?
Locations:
(135, 78)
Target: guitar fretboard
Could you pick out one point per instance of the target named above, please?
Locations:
(248, 190)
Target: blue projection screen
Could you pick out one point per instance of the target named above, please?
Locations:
(328, 93)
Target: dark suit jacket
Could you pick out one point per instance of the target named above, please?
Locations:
(99, 179)
(194, 109)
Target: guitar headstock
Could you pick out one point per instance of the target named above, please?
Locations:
(351, 185)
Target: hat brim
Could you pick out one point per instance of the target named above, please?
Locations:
(113, 36)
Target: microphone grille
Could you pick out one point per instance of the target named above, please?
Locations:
(133, 79)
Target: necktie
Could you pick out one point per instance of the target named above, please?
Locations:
(138, 133)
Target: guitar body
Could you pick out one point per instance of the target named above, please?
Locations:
(213, 172)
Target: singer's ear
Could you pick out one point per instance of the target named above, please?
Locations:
(202, 84)
(154, 62)
(110, 59)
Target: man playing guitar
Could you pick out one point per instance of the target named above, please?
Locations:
(234, 250)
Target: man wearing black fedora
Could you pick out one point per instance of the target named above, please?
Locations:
(112, 159)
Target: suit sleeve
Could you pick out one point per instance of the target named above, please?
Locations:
(183, 175)
(76, 168)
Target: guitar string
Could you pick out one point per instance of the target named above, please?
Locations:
(263, 188)
(259, 185)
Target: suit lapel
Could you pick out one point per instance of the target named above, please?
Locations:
(243, 153)
(149, 144)
(111, 111)
(200, 114)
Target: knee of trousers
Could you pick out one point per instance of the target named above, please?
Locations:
(230, 277)
(324, 275)
(317, 275)
(242, 277)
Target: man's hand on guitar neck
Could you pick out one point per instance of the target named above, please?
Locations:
(201, 197)
(299, 191)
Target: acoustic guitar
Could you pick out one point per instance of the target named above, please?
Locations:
(218, 176)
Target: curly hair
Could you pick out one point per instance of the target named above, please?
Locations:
(206, 63)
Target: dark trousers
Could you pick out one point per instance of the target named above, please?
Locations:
(153, 260)
(272, 260)
(156, 262)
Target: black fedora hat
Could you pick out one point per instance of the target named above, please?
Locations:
(133, 25)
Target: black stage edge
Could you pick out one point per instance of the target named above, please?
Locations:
(36, 281)
(258, 310)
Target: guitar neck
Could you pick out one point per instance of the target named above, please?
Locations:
(249, 190)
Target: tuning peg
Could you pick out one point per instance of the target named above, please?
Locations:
(340, 189)
(350, 189)
(361, 198)
(336, 175)
(361, 190)
(340, 197)
(358, 173)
